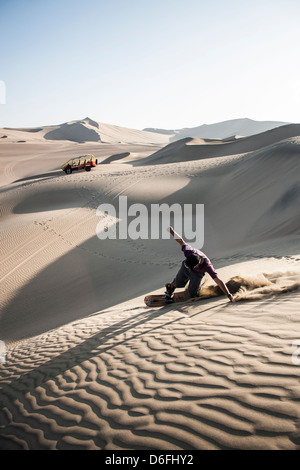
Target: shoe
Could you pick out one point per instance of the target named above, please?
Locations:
(168, 299)
(169, 289)
(169, 294)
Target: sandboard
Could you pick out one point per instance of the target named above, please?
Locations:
(159, 300)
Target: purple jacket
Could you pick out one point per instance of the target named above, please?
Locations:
(206, 266)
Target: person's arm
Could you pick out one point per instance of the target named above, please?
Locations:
(223, 288)
(176, 236)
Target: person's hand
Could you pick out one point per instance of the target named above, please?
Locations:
(176, 237)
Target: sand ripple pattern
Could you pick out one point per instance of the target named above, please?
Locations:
(135, 378)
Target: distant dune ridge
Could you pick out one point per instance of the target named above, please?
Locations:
(88, 130)
(87, 365)
(194, 148)
(221, 130)
(85, 130)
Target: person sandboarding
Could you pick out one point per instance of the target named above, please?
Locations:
(192, 270)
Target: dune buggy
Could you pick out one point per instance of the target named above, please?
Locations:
(83, 162)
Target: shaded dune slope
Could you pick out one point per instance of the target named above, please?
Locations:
(193, 149)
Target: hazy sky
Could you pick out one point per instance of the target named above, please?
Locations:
(149, 63)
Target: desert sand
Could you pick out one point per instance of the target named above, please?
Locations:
(88, 365)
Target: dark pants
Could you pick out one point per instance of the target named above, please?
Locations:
(185, 275)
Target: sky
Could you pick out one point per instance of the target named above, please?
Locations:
(166, 64)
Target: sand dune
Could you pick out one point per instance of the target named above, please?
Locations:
(221, 130)
(21, 162)
(193, 149)
(89, 130)
(85, 130)
(88, 365)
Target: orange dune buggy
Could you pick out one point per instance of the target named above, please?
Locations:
(83, 162)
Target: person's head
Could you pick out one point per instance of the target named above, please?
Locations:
(192, 261)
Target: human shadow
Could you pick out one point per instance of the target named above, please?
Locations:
(96, 344)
